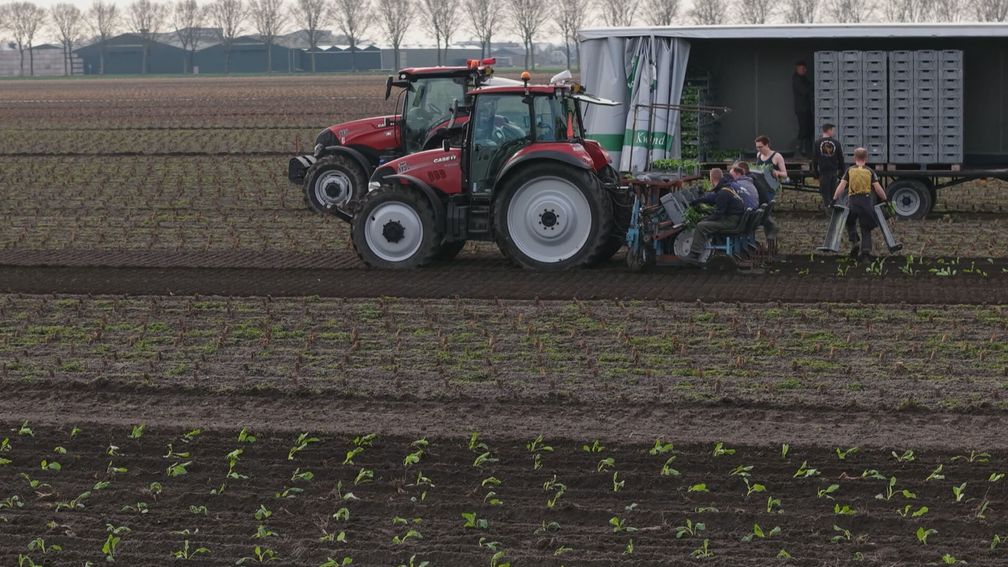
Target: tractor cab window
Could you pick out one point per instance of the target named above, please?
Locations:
(428, 105)
(551, 120)
(501, 125)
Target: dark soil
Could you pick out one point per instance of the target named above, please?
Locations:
(448, 479)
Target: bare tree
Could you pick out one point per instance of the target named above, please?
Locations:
(528, 17)
(228, 17)
(145, 19)
(991, 10)
(353, 18)
(485, 16)
(268, 17)
(619, 13)
(104, 19)
(802, 11)
(709, 12)
(569, 17)
(25, 20)
(188, 18)
(849, 11)
(753, 11)
(396, 17)
(314, 15)
(907, 10)
(948, 10)
(442, 22)
(661, 12)
(67, 19)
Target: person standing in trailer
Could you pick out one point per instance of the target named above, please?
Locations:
(827, 162)
(801, 88)
(859, 181)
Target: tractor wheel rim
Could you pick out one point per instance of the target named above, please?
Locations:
(549, 219)
(394, 232)
(333, 189)
(684, 242)
(906, 202)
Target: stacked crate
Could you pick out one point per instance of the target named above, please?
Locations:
(950, 106)
(875, 126)
(902, 107)
(850, 126)
(926, 106)
(827, 88)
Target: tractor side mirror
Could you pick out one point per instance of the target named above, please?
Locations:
(454, 111)
(388, 87)
(445, 144)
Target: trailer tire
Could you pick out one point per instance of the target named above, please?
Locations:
(396, 229)
(911, 199)
(682, 243)
(539, 217)
(335, 185)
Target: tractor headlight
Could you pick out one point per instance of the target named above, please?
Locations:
(373, 186)
(325, 139)
(318, 150)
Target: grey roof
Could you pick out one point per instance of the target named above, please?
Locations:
(805, 31)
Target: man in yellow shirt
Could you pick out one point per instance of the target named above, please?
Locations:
(859, 181)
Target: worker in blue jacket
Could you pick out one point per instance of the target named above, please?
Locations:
(728, 209)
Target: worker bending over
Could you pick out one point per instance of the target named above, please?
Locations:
(859, 180)
(728, 209)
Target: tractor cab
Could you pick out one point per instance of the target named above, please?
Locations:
(429, 101)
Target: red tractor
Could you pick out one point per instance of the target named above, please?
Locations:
(525, 177)
(335, 176)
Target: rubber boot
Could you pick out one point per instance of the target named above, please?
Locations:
(866, 246)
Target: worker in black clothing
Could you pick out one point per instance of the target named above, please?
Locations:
(827, 162)
(801, 88)
(728, 209)
(859, 180)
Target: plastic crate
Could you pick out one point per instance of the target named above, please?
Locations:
(950, 59)
(921, 73)
(900, 93)
(956, 157)
(926, 92)
(874, 130)
(850, 56)
(899, 157)
(900, 83)
(950, 131)
(925, 111)
(945, 121)
(925, 129)
(925, 56)
(955, 74)
(875, 56)
(900, 69)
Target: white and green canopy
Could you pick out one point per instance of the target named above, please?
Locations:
(638, 72)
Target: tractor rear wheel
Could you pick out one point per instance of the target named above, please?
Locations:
(334, 185)
(395, 229)
(551, 216)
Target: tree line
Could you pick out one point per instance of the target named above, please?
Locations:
(444, 20)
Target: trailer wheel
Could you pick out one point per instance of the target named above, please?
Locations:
(684, 241)
(911, 199)
(551, 216)
(395, 229)
(333, 184)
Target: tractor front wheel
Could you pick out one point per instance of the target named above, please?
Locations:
(551, 216)
(395, 229)
(334, 185)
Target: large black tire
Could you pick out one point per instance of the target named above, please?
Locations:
(335, 185)
(529, 236)
(395, 229)
(911, 199)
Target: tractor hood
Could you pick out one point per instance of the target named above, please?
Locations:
(377, 133)
(438, 169)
